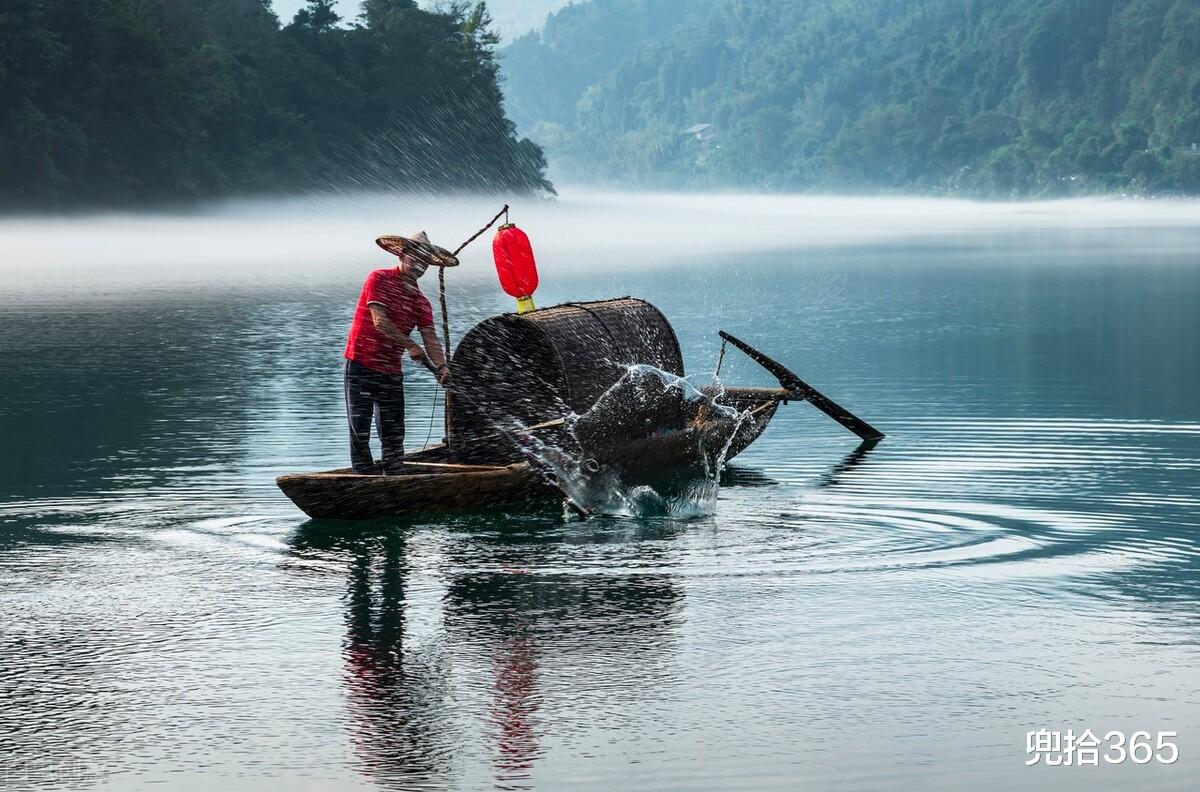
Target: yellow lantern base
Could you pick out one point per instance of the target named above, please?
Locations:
(525, 305)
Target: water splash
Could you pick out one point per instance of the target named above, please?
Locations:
(595, 483)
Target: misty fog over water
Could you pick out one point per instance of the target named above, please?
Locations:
(309, 240)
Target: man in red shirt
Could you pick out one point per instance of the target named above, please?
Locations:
(390, 306)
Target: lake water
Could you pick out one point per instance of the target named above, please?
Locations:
(1022, 552)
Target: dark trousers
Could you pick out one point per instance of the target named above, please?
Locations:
(372, 394)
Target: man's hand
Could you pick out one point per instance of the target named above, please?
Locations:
(435, 354)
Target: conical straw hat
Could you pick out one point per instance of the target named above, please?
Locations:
(418, 245)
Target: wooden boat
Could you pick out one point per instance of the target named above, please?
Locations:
(430, 483)
(518, 377)
(431, 487)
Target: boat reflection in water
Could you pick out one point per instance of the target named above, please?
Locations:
(432, 710)
(400, 723)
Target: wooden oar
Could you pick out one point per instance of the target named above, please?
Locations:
(805, 391)
(453, 466)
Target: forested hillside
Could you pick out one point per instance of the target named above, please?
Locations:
(515, 18)
(988, 97)
(138, 101)
(546, 72)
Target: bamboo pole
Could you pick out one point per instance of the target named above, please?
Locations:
(445, 314)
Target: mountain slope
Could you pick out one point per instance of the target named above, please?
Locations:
(993, 97)
(547, 72)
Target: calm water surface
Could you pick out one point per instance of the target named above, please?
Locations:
(1021, 552)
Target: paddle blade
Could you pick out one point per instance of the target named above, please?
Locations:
(803, 390)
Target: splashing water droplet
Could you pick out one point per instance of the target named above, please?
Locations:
(588, 468)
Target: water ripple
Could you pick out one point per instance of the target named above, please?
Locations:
(1012, 556)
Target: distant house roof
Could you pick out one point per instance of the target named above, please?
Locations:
(696, 129)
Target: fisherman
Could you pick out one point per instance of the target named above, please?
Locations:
(390, 306)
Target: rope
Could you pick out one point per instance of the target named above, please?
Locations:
(432, 415)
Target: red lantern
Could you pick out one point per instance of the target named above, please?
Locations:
(515, 265)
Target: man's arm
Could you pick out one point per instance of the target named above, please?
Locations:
(434, 348)
(384, 324)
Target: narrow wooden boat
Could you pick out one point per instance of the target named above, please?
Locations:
(429, 487)
(429, 483)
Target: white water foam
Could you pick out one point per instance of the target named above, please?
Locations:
(598, 489)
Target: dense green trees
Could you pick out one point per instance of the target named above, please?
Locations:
(140, 101)
(990, 97)
(547, 71)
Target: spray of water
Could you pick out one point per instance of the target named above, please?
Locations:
(601, 487)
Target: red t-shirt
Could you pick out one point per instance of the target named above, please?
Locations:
(407, 309)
